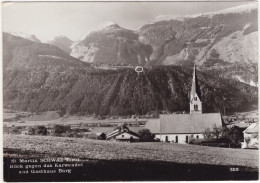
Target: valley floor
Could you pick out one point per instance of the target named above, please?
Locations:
(105, 160)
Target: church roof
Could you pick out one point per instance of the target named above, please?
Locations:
(184, 123)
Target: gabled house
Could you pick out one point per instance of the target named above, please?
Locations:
(25, 132)
(179, 128)
(251, 137)
(123, 133)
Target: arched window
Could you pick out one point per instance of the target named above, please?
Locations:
(195, 98)
(187, 138)
(176, 139)
(196, 108)
(197, 136)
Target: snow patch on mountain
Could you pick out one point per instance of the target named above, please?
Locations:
(238, 9)
(26, 36)
(107, 26)
(246, 26)
(50, 56)
(251, 83)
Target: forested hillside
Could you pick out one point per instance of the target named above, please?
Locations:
(122, 92)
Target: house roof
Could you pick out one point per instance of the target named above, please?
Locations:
(184, 123)
(253, 128)
(118, 132)
(153, 125)
(241, 125)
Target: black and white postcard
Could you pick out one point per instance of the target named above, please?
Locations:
(130, 91)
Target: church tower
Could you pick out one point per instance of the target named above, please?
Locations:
(195, 102)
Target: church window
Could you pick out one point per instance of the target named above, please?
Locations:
(176, 139)
(196, 107)
(122, 135)
(195, 98)
(187, 139)
(197, 136)
(166, 139)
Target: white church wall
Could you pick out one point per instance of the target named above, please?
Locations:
(181, 137)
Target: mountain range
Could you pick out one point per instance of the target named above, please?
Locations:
(48, 76)
(41, 77)
(216, 40)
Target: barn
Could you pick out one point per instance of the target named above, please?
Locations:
(179, 128)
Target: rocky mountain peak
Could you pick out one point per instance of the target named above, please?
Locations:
(62, 42)
(108, 25)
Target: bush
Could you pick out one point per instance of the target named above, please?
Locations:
(40, 130)
(146, 135)
(222, 142)
(31, 131)
(16, 129)
(59, 130)
(195, 141)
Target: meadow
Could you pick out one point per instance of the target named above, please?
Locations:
(107, 150)
(121, 161)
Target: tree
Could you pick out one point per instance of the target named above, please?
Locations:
(216, 131)
(60, 129)
(225, 132)
(146, 135)
(41, 130)
(247, 140)
(207, 133)
(31, 131)
(235, 136)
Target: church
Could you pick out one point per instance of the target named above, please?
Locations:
(179, 128)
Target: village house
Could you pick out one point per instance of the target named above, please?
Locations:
(179, 128)
(25, 132)
(123, 133)
(251, 136)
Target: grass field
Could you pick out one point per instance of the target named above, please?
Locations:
(106, 150)
(51, 118)
(119, 161)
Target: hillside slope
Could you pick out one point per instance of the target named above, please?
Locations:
(212, 39)
(122, 92)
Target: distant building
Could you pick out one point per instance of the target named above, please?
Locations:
(179, 128)
(25, 132)
(251, 136)
(123, 133)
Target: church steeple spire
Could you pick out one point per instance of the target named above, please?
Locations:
(195, 103)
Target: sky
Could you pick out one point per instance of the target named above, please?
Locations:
(46, 20)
